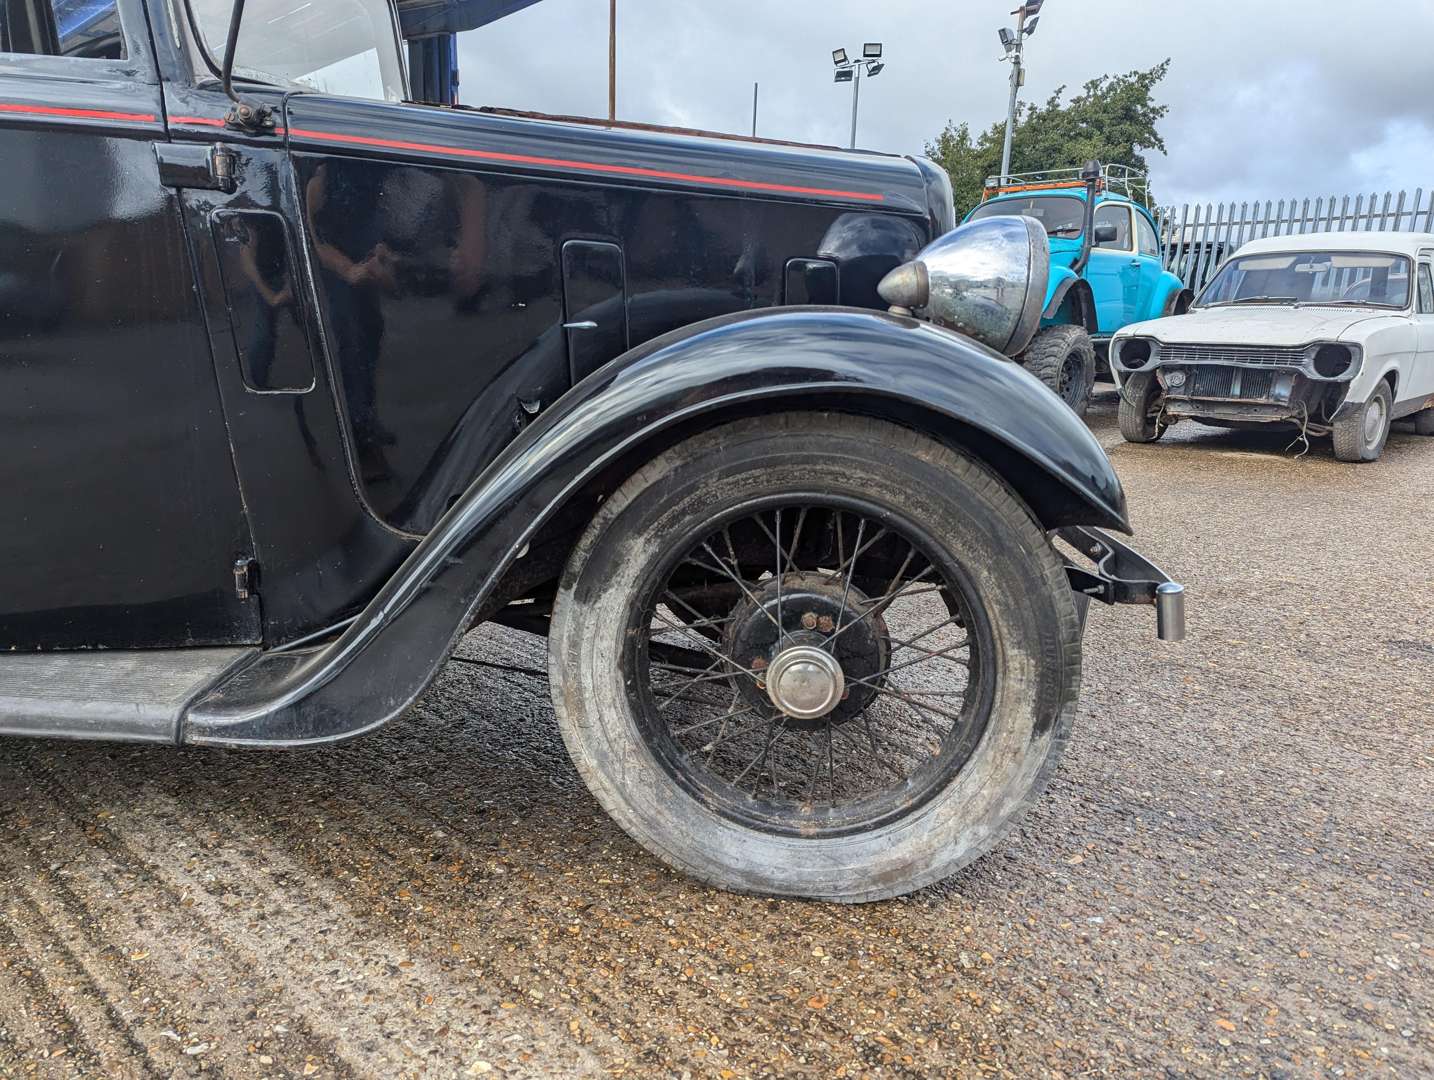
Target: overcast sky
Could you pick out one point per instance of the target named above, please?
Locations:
(1268, 98)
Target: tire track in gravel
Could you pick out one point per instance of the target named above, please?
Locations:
(133, 901)
(370, 993)
(37, 1019)
(96, 995)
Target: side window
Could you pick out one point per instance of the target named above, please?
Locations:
(1145, 236)
(1426, 290)
(82, 29)
(1119, 216)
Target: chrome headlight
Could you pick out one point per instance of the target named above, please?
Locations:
(987, 279)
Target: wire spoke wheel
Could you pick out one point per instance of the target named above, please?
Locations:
(833, 673)
(815, 655)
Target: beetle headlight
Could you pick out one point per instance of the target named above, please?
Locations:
(986, 279)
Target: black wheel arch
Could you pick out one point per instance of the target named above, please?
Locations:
(532, 498)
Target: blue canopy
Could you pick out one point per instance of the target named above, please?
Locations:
(425, 18)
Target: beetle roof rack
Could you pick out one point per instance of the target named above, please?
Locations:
(1116, 179)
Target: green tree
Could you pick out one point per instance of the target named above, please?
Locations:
(1114, 119)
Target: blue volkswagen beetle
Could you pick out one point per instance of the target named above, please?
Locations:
(1106, 266)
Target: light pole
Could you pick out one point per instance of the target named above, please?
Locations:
(1015, 53)
(612, 62)
(848, 70)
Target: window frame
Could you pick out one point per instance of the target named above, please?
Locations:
(1129, 212)
(1424, 298)
(137, 66)
(1142, 219)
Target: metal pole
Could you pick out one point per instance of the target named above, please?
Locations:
(855, 103)
(612, 63)
(756, 87)
(1015, 92)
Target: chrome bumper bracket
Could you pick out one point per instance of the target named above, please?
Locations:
(1124, 576)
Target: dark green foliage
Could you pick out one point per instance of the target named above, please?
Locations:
(1113, 120)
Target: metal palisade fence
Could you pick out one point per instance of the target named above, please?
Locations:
(1198, 237)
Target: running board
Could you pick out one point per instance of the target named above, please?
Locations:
(113, 696)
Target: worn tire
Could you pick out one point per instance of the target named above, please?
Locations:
(1424, 422)
(1361, 436)
(985, 528)
(1063, 357)
(1140, 421)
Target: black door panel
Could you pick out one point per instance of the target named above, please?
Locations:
(123, 513)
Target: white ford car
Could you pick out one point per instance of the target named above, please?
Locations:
(1330, 332)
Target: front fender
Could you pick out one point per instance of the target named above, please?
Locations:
(811, 358)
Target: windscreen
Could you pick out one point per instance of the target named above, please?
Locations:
(344, 47)
(1062, 215)
(1327, 278)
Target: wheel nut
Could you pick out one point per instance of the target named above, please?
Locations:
(809, 620)
(759, 664)
(826, 624)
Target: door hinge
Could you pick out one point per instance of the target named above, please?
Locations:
(193, 165)
(246, 577)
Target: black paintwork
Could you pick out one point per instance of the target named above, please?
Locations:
(303, 348)
(763, 361)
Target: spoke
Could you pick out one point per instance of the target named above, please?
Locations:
(702, 620)
(715, 720)
(846, 589)
(885, 602)
(705, 677)
(923, 659)
(910, 643)
(831, 764)
(781, 635)
(722, 568)
(895, 578)
(706, 645)
(796, 539)
(876, 749)
(774, 732)
(901, 695)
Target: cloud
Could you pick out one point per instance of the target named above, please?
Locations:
(1267, 100)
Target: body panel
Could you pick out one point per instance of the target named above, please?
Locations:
(437, 240)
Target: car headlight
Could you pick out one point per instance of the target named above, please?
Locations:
(1137, 353)
(1334, 361)
(987, 279)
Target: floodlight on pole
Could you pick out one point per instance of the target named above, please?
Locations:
(871, 64)
(1026, 21)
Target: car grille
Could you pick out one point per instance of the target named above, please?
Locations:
(1209, 381)
(1256, 355)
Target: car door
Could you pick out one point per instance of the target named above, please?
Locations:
(123, 517)
(1421, 384)
(1114, 270)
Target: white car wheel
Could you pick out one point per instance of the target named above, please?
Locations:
(1360, 436)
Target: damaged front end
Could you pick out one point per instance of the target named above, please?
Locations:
(1305, 385)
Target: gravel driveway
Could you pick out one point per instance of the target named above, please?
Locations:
(1230, 876)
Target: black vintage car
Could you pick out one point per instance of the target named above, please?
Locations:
(300, 382)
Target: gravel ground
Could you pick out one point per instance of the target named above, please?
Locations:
(1230, 876)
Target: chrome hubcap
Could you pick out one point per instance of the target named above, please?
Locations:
(805, 682)
(1374, 421)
